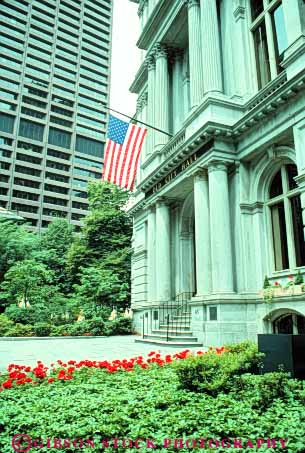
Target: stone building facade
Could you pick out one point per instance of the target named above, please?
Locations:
(220, 197)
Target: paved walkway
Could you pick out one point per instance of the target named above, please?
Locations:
(28, 351)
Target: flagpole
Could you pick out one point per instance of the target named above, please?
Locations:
(138, 121)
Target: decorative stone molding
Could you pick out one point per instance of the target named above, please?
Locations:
(218, 166)
(160, 50)
(239, 9)
(201, 173)
(141, 102)
(251, 208)
(191, 3)
(150, 62)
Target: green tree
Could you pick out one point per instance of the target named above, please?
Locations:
(24, 281)
(102, 287)
(99, 261)
(54, 245)
(16, 244)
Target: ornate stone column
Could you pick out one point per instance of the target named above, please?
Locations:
(299, 143)
(177, 89)
(163, 262)
(212, 66)
(161, 94)
(221, 247)
(151, 91)
(202, 233)
(195, 52)
(241, 45)
(151, 253)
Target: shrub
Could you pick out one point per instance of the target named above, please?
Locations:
(60, 331)
(5, 325)
(213, 373)
(264, 389)
(119, 326)
(42, 329)
(20, 330)
(29, 315)
(97, 326)
(299, 279)
(80, 328)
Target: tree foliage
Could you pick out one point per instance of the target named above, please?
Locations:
(90, 268)
(24, 280)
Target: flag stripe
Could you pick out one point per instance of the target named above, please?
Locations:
(125, 154)
(133, 175)
(122, 152)
(130, 157)
(131, 171)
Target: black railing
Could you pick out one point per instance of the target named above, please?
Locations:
(175, 315)
(170, 318)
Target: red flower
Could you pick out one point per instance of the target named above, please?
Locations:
(7, 384)
(276, 284)
(51, 379)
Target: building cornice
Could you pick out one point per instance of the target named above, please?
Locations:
(154, 21)
(256, 111)
(140, 79)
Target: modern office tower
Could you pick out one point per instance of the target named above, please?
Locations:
(54, 71)
(220, 204)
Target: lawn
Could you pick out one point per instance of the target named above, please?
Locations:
(158, 402)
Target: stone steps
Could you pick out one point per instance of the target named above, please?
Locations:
(163, 336)
(172, 332)
(182, 344)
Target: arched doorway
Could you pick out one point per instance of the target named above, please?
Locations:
(289, 323)
(284, 321)
(187, 246)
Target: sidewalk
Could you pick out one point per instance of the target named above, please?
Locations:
(28, 351)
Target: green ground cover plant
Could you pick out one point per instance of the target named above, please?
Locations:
(151, 403)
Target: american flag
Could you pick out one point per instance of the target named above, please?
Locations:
(123, 147)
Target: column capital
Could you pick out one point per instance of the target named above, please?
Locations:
(160, 50)
(200, 173)
(191, 3)
(218, 165)
(150, 62)
(150, 206)
(164, 201)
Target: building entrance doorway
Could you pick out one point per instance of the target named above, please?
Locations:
(289, 323)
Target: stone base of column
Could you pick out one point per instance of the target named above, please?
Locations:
(294, 60)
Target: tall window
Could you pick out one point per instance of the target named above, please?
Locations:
(286, 220)
(269, 36)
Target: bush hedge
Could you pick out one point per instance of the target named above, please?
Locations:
(212, 373)
(94, 327)
(150, 404)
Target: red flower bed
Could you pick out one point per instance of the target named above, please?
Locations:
(21, 374)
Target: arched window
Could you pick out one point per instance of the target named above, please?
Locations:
(286, 220)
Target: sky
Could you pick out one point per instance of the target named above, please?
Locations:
(125, 56)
